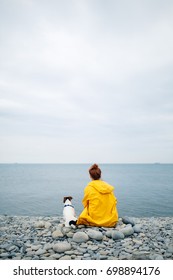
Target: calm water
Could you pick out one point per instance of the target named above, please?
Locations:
(38, 189)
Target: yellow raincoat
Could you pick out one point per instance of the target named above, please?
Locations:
(99, 205)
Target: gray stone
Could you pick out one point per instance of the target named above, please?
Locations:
(61, 247)
(13, 248)
(30, 253)
(160, 239)
(140, 256)
(35, 258)
(93, 247)
(69, 252)
(66, 230)
(47, 224)
(127, 220)
(39, 224)
(136, 241)
(82, 250)
(4, 255)
(137, 228)
(95, 234)
(117, 235)
(34, 247)
(48, 246)
(157, 257)
(55, 256)
(40, 252)
(86, 255)
(65, 258)
(80, 236)
(57, 233)
(170, 249)
(103, 257)
(70, 234)
(104, 252)
(168, 227)
(30, 238)
(81, 226)
(83, 245)
(145, 248)
(128, 230)
(168, 255)
(108, 233)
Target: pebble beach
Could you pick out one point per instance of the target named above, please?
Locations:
(46, 238)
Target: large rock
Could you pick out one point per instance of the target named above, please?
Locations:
(80, 236)
(61, 247)
(95, 234)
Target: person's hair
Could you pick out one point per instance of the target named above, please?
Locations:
(95, 172)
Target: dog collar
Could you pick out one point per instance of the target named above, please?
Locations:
(69, 205)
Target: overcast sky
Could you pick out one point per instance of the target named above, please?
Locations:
(86, 81)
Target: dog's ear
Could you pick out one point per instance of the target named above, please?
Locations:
(67, 197)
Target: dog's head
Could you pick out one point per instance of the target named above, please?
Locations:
(67, 197)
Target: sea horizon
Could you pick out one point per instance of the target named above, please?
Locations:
(36, 189)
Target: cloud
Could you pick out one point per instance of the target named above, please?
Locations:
(79, 76)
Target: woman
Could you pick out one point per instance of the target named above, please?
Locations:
(99, 202)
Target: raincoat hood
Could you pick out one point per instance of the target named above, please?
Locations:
(101, 186)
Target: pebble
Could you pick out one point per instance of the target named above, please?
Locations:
(137, 228)
(128, 220)
(95, 234)
(128, 230)
(47, 238)
(57, 233)
(117, 235)
(170, 249)
(80, 237)
(61, 247)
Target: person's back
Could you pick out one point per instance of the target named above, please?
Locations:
(99, 202)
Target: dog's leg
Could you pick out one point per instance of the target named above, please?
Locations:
(73, 224)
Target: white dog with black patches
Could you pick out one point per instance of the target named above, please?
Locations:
(69, 212)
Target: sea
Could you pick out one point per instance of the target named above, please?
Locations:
(142, 190)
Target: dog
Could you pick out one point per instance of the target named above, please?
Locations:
(69, 212)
